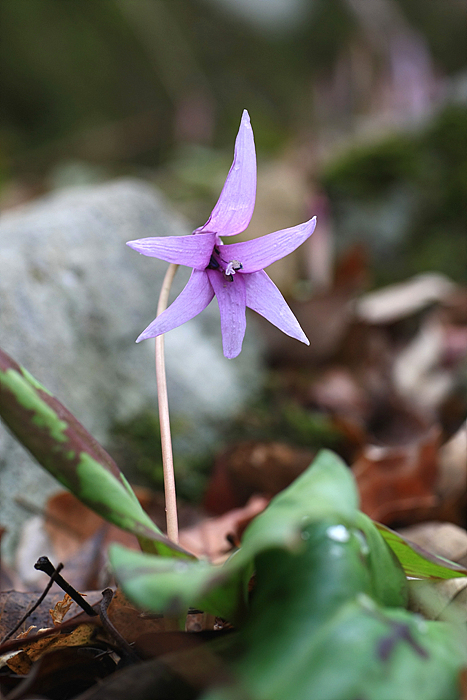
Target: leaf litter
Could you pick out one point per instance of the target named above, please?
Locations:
(388, 376)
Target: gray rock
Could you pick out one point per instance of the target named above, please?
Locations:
(73, 298)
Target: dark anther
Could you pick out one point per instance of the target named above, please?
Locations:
(213, 264)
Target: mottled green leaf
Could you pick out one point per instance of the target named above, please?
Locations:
(388, 581)
(313, 631)
(65, 448)
(325, 490)
(361, 651)
(171, 586)
(326, 619)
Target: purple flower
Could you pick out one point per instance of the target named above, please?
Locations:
(234, 273)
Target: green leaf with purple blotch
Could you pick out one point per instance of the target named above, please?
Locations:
(65, 449)
(326, 491)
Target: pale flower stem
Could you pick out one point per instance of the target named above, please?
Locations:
(164, 420)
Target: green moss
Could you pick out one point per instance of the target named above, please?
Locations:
(367, 171)
(427, 169)
(136, 445)
(278, 417)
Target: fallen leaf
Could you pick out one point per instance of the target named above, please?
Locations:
(398, 301)
(208, 539)
(21, 662)
(325, 319)
(143, 681)
(14, 605)
(419, 370)
(440, 600)
(130, 622)
(452, 482)
(250, 468)
(18, 662)
(338, 391)
(64, 672)
(399, 482)
(60, 609)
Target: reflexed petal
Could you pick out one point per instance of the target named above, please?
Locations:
(192, 251)
(263, 297)
(261, 252)
(190, 302)
(235, 205)
(231, 298)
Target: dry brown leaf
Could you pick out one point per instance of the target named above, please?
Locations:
(14, 604)
(399, 482)
(36, 649)
(131, 623)
(452, 483)
(23, 635)
(60, 609)
(338, 391)
(463, 684)
(403, 299)
(208, 539)
(65, 672)
(78, 637)
(18, 662)
(250, 468)
(325, 319)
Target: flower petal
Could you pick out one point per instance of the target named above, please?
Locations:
(261, 252)
(231, 298)
(192, 251)
(235, 205)
(263, 297)
(190, 302)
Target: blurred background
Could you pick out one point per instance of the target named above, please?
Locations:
(359, 111)
(358, 108)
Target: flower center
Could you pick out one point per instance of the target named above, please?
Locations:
(228, 268)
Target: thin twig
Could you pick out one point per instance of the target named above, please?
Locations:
(44, 564)
(36, 604)
(127, 650)
(164, 420)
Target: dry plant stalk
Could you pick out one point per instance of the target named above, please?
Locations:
(164, 419)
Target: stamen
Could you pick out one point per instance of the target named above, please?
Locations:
(233, 267)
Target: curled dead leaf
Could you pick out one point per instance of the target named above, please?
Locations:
(60, 609)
